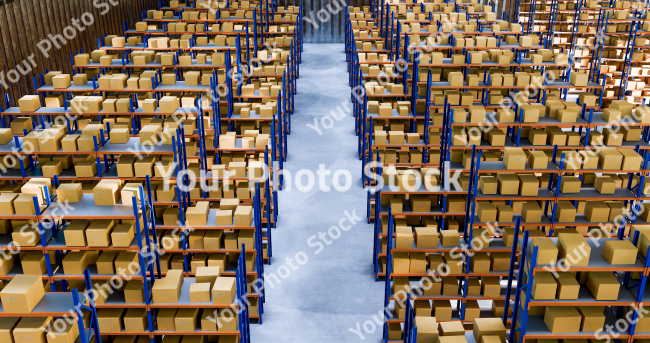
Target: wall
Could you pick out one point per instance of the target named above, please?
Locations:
(331, 28)
(24, 24)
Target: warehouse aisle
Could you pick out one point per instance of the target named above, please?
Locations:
(334, 289)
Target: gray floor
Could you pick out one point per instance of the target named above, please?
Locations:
(335, 289)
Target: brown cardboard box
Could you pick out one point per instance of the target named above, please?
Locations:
(488, 184)
(22, 294)
(620, 252)
(605, 185)
(168, 290)
(127, 263)
(486, 212)
(98, 234)
(544, 286)
(578, 79)
(514, 158)
(32, 330)
(449, 238)
(63, 331)
(223, 291)
(504, 214)
(243, 215)
(442, 310)
(119, 135)
(508, 184)
(562, 319)
(85, 169)
(427, 329)
(593, 318)
(106, 262)
(610, 159)
(70, 192)
(528, 185)
(597, 211)
(33, 263)
(110, 319)
(453, 328)
(538, 160)
(6, 203)
(166, 319)
(207, 275)
(568, 287)
(480, 263)
(29, 103)
(75, 262)
(106, 193)
(565, 212)
(500, 261)
(7, 325)
(135, 320)
(200, 292)
(570, 184)
(490, 286)
(122, 235)
(24, 204)
(546, 251)
(134, 292)
(531, 213)
(489, 326)
(426, 237)
(574, 249)
(603, 285)
(631, 159)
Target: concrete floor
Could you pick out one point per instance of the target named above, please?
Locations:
(318, 301)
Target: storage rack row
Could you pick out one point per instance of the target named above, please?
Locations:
(54, 217)
(82, 308)
(625, 310)
(605, 28)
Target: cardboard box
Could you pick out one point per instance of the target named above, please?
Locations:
(449, 238)
(603, 285)
(127, 263)
(619, 252)
(486, 212)
(200, 292)
(565, 212)
(106, 192)
(574, 249)
(546, 251)
(166, 319)
(562, 319)
(427, 329)
(223, 291)
(514, 158)
(135, 320)
(480, 263)
(28, 103)
(32, 330)
(168, 290)
(134, 292)
(110, 320)
(593, 318)
(70, 192)
(22, 294)
(106, 262)
(489, 327)
(597, 211)
(568, 287)
(98, 233)
(531, 213)
(75, 262)
(544, 286)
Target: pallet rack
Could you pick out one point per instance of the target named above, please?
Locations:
(267, 22)
(428, 118)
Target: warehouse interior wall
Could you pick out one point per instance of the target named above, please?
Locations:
(29, 27)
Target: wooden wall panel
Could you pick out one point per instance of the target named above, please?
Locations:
(25, 23)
